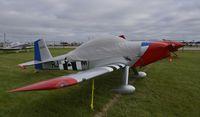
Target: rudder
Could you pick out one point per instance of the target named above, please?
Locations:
(41, 52)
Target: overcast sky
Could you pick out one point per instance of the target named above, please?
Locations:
(79, 20)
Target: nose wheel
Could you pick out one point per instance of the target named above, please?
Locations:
(138, 74)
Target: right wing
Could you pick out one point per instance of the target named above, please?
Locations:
(70, 80)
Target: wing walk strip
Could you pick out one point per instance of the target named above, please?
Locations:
(72, 79)
(111, 68)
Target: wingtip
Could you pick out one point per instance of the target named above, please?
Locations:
(16, 90)
(12, 91)
(56, 83)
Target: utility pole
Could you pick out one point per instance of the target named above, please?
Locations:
(4, 38)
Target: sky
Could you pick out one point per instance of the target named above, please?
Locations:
(82, 20)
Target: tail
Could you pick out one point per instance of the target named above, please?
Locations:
(41, 52)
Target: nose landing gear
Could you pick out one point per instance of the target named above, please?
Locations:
(138, 74)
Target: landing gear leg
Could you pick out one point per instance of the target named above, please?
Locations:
(125, 88)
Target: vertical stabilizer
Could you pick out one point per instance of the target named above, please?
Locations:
(41, 52)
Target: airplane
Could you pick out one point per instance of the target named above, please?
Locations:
(94, 58)
(12, 46)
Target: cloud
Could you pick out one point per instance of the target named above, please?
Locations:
(77, 20)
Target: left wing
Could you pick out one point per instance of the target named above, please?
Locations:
(71, 79)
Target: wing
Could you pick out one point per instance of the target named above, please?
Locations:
(69, 80)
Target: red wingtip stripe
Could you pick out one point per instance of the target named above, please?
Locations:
(48, 84)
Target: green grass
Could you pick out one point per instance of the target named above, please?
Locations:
(171, 89)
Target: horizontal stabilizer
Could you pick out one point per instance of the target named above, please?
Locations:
(25, 65)
(34, 62)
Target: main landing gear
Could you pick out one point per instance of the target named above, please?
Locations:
(125, 88)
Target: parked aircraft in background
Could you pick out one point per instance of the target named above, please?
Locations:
(94, 58)
(12, 46)
(192, 43)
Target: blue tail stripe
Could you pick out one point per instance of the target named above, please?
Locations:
(37, 55)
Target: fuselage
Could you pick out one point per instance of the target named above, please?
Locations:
(105, 51)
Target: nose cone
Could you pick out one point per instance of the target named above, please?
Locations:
(178, 44)
(156, 51)
(174, 45)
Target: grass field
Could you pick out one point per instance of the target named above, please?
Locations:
(171, 89)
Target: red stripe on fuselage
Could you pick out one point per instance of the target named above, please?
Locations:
(156, 51)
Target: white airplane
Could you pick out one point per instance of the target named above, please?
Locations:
(12, 46)
(94, 58)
